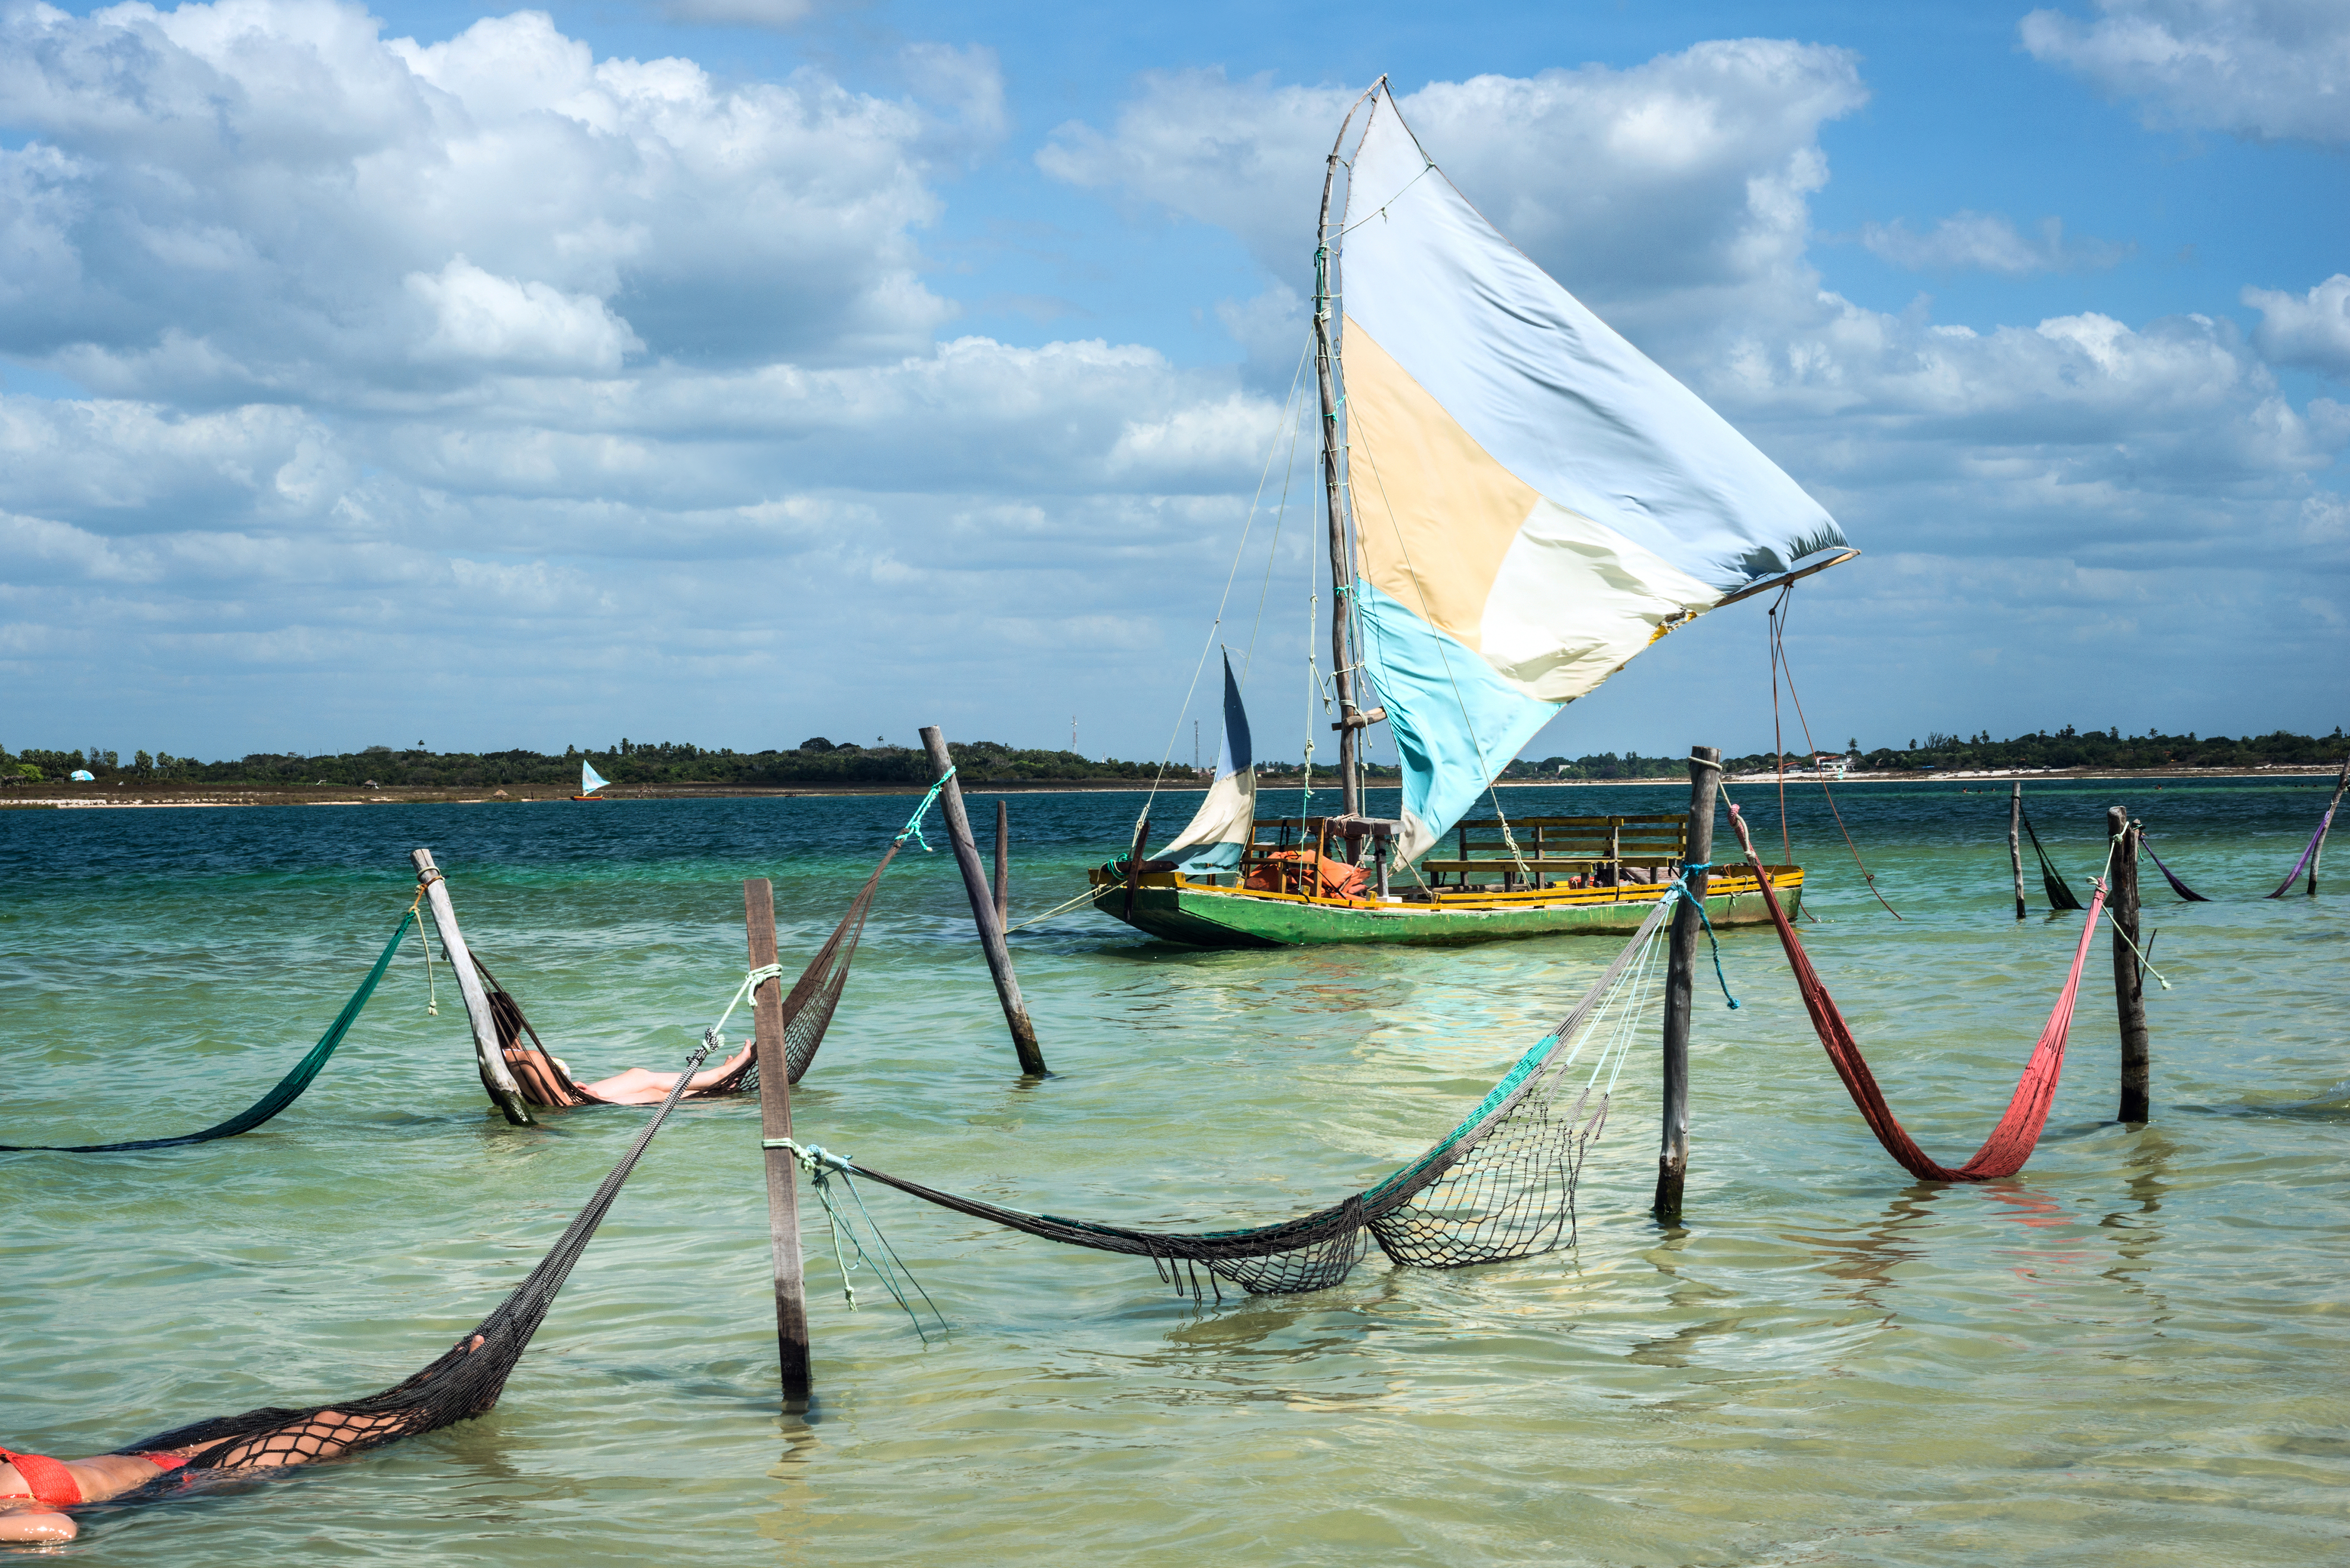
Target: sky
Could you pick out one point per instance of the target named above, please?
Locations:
(737, 371)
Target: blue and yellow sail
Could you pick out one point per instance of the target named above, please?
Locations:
(1535, 501)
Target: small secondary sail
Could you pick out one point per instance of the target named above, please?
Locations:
(1534, 500)
(1226, 821)
(590, 780)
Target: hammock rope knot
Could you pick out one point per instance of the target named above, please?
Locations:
(913, 828)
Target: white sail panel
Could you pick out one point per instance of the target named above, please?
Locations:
(1226, 821)
(589, 780)
(1551, 392)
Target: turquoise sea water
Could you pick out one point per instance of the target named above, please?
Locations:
(2132, 1351)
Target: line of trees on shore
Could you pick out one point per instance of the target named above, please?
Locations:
(819, 760)
(813, 762)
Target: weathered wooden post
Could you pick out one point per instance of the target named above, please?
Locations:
(1134, 862)
(2129, 981)
(1003, 860)
(1680, 970)
(2341, 782)
(2015, 842)
(489, 1054)
(776, 1124)
(983, 908)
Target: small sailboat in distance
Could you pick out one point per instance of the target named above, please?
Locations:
(590, 780)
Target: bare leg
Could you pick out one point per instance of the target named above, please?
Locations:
(641, 1087)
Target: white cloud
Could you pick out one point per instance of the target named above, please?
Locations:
(409, 356)
(263, 178)
(1676, 185)
(519, 326)
(2311, 329)
(2265, 68)
(1988, 242)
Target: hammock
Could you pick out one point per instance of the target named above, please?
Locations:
(2011, 1141)
(462, 1383)
(2182, 889)
(1501, 1185)
(807, 1014)
(288, 1090)
(2060, 895)
(2316, 842)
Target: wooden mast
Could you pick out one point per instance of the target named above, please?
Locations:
(1342, 575)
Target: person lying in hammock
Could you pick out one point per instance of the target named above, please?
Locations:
(546, 1080)
(33, 1487)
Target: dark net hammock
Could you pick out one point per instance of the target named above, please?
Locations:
(1499, 1186)
(286, 1090)
(2060, 892)
(462, 1384)
(545, 1080)
(2018, 1133)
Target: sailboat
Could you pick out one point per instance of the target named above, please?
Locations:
(1518, 502)
(590, 780)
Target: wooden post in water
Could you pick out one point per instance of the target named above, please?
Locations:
(1134, 862)
(1003, 860)
(1680, 971)
(2129, 981)
(2015, 842)
(783, 1169)
(488, 1054)
(983, 908)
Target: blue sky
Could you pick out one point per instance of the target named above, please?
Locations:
(739, 370)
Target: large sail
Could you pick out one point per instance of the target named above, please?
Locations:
(1534, 500)
(590, 780)
(1226, 820)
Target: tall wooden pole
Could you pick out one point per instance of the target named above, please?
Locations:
(783, 1170)
(2341, 782)
(489, 1054)
(2015, 842)
(1342, 571)
(1681, 971)
(983, 908)
(2129, 982)
(1003, 861)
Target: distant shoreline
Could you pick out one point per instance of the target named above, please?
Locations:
(126, 796)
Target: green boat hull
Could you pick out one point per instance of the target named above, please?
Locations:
(1208, 918)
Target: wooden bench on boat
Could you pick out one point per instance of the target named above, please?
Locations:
(1606, 851)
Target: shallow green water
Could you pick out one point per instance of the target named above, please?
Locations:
(2132, 1351)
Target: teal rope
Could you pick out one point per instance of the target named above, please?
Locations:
(820, 1163)
(289, 1089)
(913, 828)
(1681, 883)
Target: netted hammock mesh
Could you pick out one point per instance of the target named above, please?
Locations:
(283, 1094)
(462, 1384)
(1501, 1185)
(807, 1014)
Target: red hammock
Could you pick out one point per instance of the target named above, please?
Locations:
(2010, 1143)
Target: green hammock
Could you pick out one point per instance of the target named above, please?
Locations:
(289, 1089)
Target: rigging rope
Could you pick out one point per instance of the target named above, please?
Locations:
(2010, 1143)
(1272, 450)
(287, 1089)
(1780, 667)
